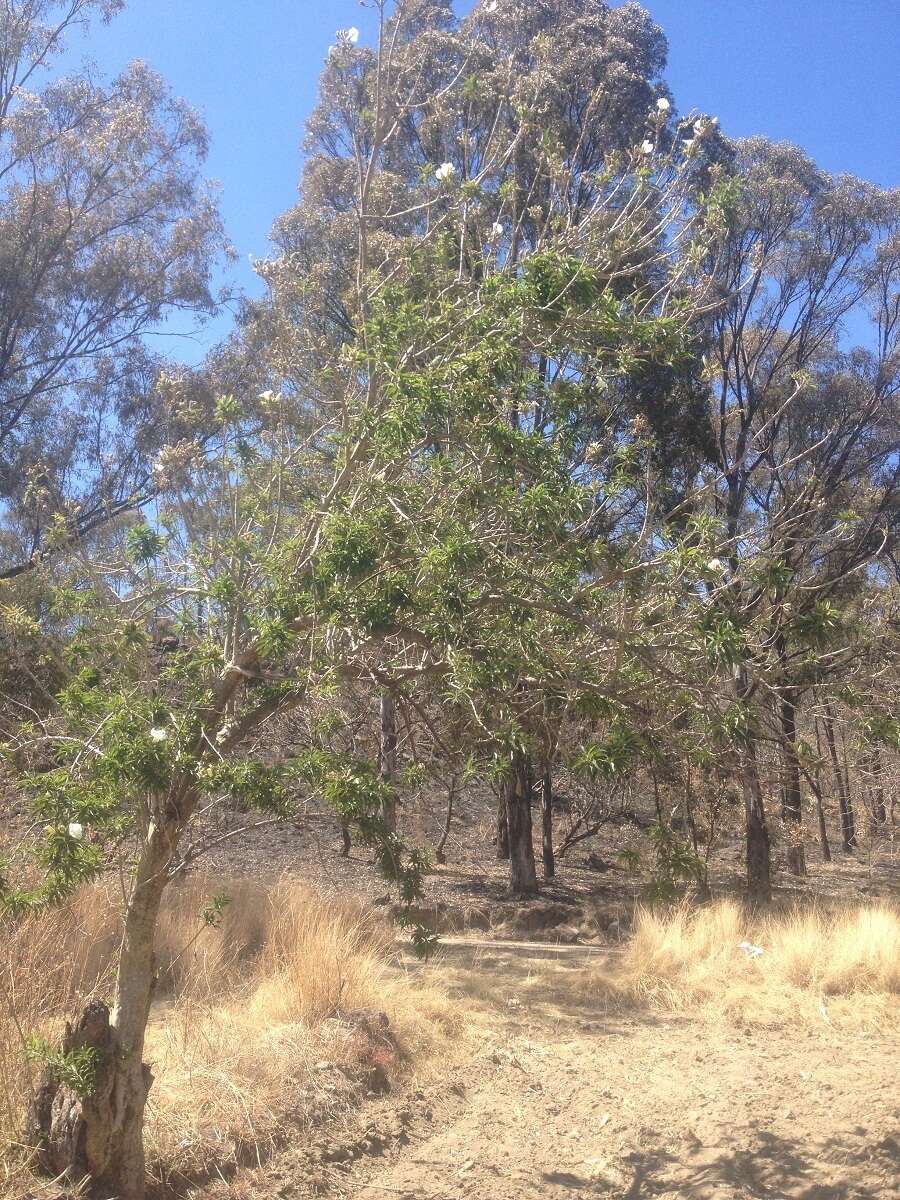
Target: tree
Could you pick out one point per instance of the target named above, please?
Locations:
(413, 536)
(806, 437)
(105, 227)
(536, 120)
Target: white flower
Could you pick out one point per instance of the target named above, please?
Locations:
(647, 147)
(491, 6)
(688, 144)
(266, 397)
(445, 172)
(157, 734)
(663, 104)
(715, 564)
(345, 38)
(496, 230)
(699, 128)
(750, 950)
(76, 831)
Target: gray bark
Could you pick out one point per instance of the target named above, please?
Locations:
(388, 758)
(848, 826)
(759, 868)
(100, 1134)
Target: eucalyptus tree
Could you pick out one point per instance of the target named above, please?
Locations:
(106, 227)
(806, 433)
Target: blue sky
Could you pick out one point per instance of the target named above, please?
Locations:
(822, 73)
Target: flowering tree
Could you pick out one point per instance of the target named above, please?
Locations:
(523, 129)
(415, 506)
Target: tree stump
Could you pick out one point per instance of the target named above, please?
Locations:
(73, 1131)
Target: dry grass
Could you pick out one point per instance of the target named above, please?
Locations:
(840, 967)
(242, 1039)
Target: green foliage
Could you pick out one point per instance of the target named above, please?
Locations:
(251, 785)
(143, 544)
(228, 410)
(356, 793)
(722, 637)
(612, 757)
(818, 625)
(78, 1069)
(676, 864)
(214, 910)
(882, 727)
(722, 202)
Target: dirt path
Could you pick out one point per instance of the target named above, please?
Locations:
(564, 1101)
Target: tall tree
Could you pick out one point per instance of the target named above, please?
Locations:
(544, 125)
(106, 227)
(414, 537)
(806, 434)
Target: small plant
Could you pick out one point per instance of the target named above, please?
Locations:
(77, 1069)
(676, 864)
(213, 911)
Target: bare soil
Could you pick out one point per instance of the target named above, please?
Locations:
(560, 1099)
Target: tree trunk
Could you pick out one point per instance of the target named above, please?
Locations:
(518, 790)
(656, 800)
(823, 831)
(451, 796)
(346, 841)
(388, 758)
(879, 808)
(100, 1132)
(816, 785)
(790, 786)
(703, 893)
(759, 867)
(848, 829)
(502, 826)
(547, 823)
(759, 871)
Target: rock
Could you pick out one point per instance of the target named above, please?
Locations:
(540, 916)
(596, 863)
(568, 935)
(338, 1154)
(373, 1047)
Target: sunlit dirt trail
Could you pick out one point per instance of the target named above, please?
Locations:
(566, 1100)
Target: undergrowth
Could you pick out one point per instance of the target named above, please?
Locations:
(721, 960)
(243, 1042)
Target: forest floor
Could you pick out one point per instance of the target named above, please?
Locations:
(559, 1097)
(592, 890)
(552, 1091)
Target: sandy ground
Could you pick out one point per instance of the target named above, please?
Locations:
(560, 1099)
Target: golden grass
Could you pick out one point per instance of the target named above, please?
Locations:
(241, 1040)
(840, 966)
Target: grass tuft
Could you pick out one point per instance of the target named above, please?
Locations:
(245, 1040)
(838, 966)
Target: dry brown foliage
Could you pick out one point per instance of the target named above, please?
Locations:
(246, 1040)
(839, 966)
